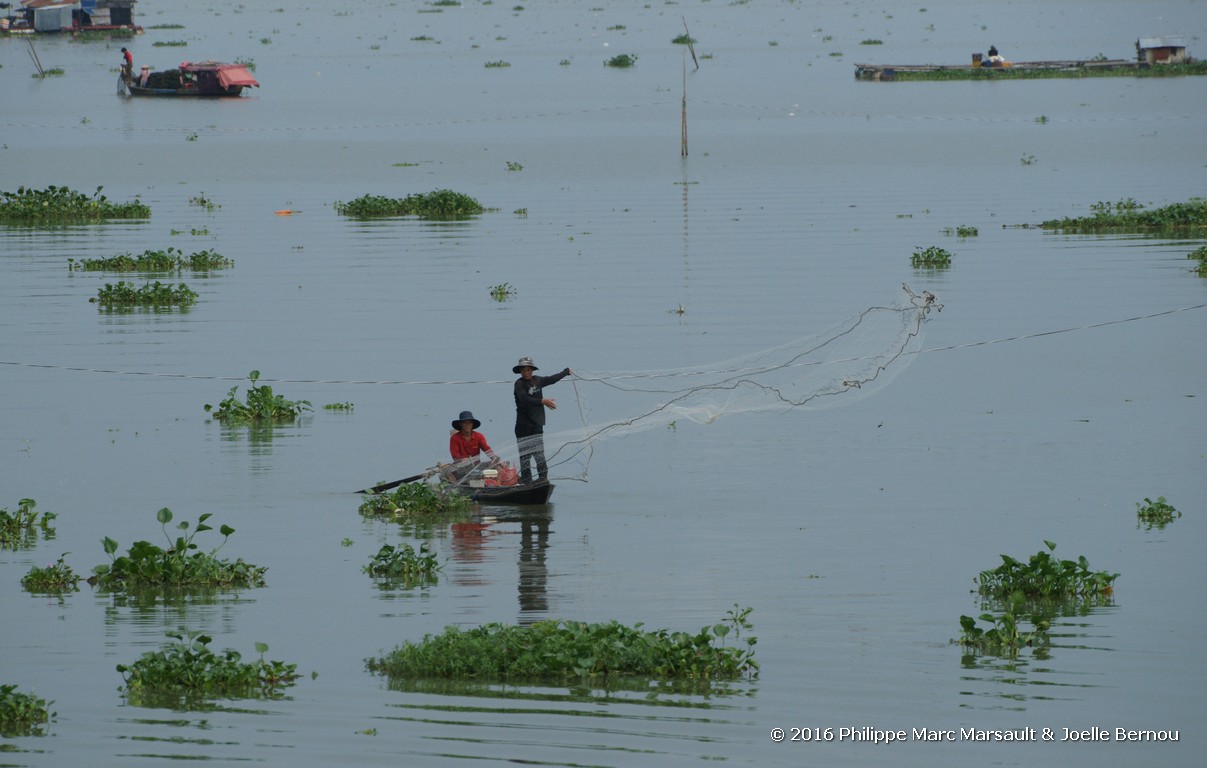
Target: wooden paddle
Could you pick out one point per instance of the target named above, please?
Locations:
(396, 483)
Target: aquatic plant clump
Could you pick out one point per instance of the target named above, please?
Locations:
(1200, 255)
(442, 204)
(932, 257)
(1189, 218)
(1005, 636)
(61, 205)
(623, 61)
(262, 405)
(565, 650)
(188, 669)
(22, 526)
(417, 501)
(404, 563)
(1044, 576)
(167, 260)
(181, 566)
(55, 578)
(22, 714)
(1159, 511)
(157, 294)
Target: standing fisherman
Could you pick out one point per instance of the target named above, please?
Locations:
(530, 405)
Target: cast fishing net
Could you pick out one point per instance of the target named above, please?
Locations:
(838, 365)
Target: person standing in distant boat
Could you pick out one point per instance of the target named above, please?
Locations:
(530, 405)
(127, 65)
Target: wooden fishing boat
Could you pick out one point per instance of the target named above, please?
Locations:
(536, 492)
(202, 78)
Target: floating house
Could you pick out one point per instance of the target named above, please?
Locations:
(70, 16)
(1162, 49)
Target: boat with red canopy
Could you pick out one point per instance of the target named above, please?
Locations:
(201, 78)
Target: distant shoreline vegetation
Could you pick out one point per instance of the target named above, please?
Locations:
(1023, 72)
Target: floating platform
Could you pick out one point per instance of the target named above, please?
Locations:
(1006, 69)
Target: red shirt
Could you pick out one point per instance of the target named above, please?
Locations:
(462, 448)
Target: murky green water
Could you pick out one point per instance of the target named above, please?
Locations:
(1061, 384)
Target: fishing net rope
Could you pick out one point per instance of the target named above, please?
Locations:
(838, 365)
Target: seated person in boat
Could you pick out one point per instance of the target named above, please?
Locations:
(466, 446)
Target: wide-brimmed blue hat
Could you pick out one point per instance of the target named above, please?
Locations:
(466, 416)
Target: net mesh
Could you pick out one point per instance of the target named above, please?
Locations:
(838, 365)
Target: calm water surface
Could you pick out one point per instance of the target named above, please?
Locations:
(1061, 384)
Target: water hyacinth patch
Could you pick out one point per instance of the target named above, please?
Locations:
(1005, 635)
(262, 405)
(557, 650)
(168, 260)
(417, 501)
(931, 257)
(55, 578)
(181, 566)
(61, 205)
(1189, 218)
(1157, 512)
(404, 564)
(1044, 576)
(126, 296)
(442, 205)
(22, 527)
(186, 672)
(22, 714)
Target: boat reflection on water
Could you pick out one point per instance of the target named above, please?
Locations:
(472, 538)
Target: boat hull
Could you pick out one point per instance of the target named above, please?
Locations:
(524, 493)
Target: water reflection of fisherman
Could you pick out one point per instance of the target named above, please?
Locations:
(534, 574)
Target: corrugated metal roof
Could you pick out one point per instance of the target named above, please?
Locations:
(1163, 41)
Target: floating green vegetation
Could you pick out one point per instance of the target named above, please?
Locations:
(196, 232)
(559, 650)
(422, 39)
(442, 204)
(181, 566)
(1048, 73)
(166, 26)
(60, 205)
(500, 64)
(157, 294)
(338, 406)
(871, 41)
(932, 257)
(514, 166)
(167, 260)
(55, 578)
(186, 672)
(447, 3)
(502, 292)
(262, 405)
(417, 502)
(22, 714)
(406, 165)
(1042, 119)
(405, 564)
(169, 44)
(1157, 512)
(1005, 635)
(961, 231)
(1199, 254)
(683, 40)
(50, 72)
(20, 528)
(1044, 576)
(250, 64)
(1189, 218)
(203, 202)
(623, 61)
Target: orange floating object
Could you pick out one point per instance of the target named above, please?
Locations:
(285, 212)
